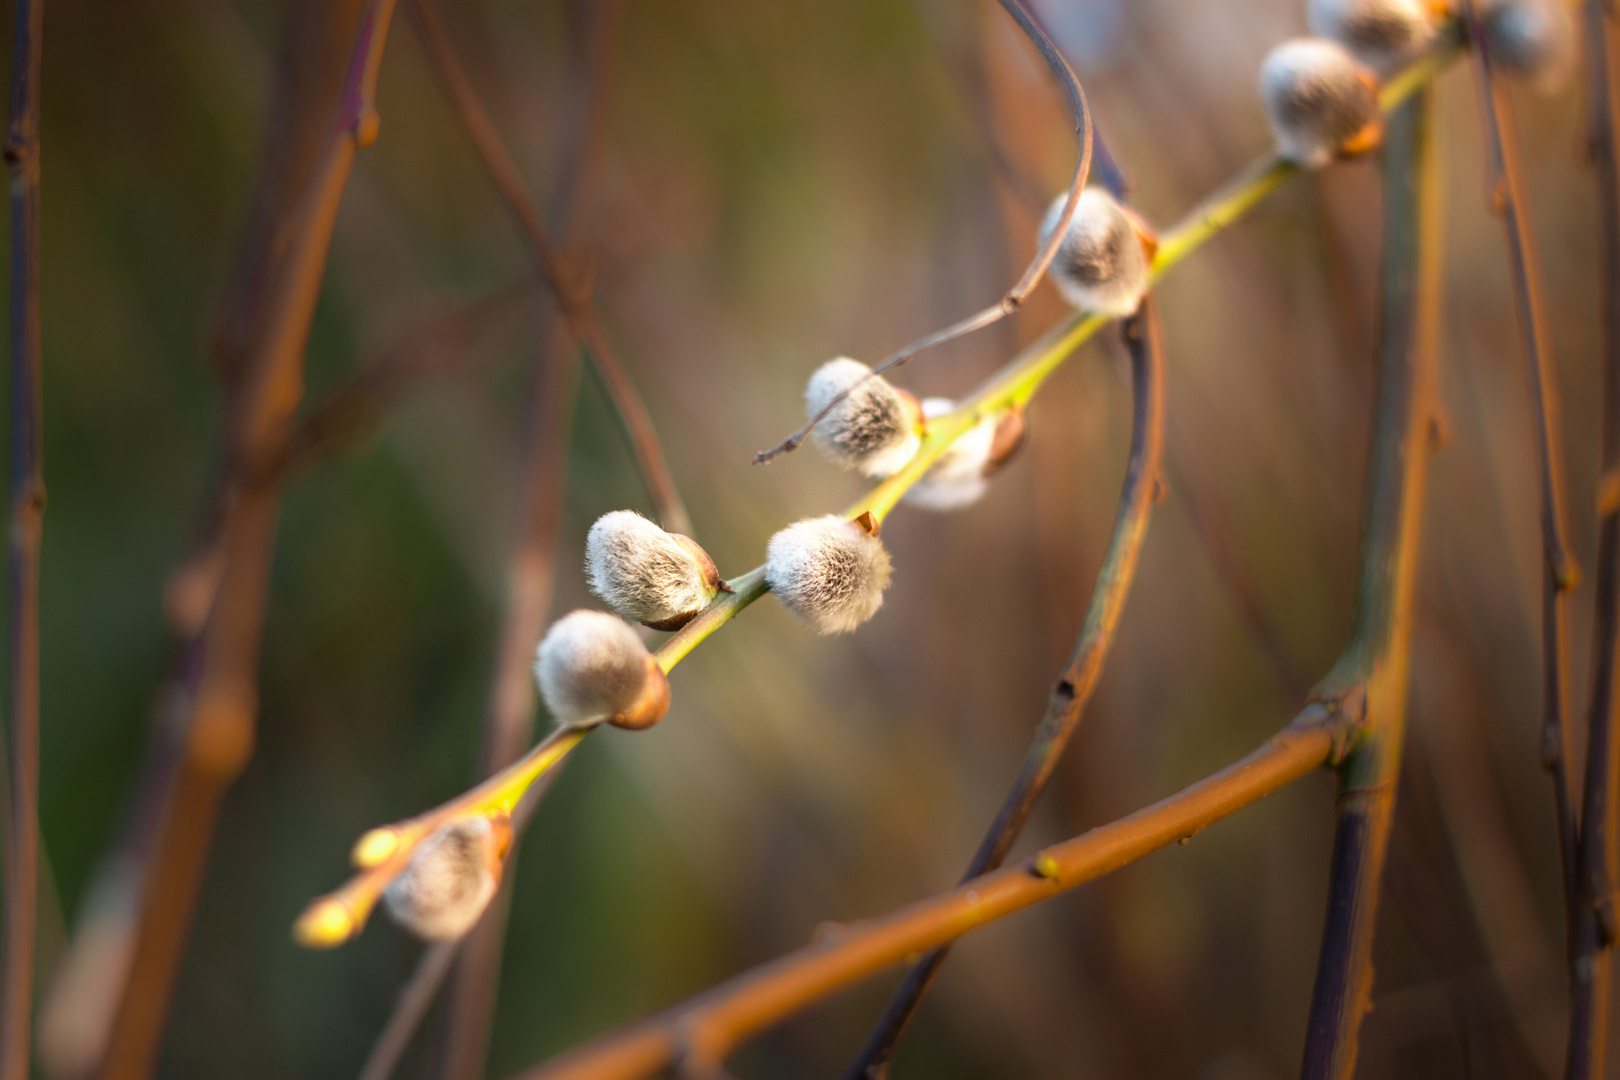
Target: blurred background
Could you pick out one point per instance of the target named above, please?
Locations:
(775, 184)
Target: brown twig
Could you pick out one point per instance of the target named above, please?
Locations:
(1377, 661)
(1507, 195)
(1593, 931)
(571, 289)
(27, 525)
(1074, 687)
(218, 729)
(1075, 97)
(509, 721)
(706, 1028)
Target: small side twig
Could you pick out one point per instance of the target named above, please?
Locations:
(571, 289)
(1073, 690)
(27, 525)
(1075, 97)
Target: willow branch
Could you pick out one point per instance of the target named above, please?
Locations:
(701, 1031)
(223, 705)
(27, 526)
(1593, 931)
(572, 291)
(1067, 702)
(1379, 656)
(1012, 387)
(1075, 98)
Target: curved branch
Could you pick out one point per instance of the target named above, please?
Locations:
(1074, 687)
(699, 1033)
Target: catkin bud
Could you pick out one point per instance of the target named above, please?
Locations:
(961, 474)
(592, 666)
(1379, 33)
(829, 571)
(646, 574)
(874, 429)
(1102, 264)
(1533, 39)
(1320, 102)
(450, 879)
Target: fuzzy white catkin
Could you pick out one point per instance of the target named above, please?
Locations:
(590, 665)
(1101, 265)
(1533, 39)
(1379, 33)
(1317, 98)
(828, 571)
(956, 479)
(641, 571)
(448, 882)
(871, 429)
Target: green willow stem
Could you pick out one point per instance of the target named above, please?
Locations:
(1010, 388)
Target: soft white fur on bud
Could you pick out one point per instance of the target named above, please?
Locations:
(828, 571)
(1101, 265)
(1320, 102)
(1533, 39)
(874, 429)
(592, 666)
(958, 477)
(449, 881)
(647, 574)
(1379, 33)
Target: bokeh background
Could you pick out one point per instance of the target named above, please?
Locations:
(777, 184)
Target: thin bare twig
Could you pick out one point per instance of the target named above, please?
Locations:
(1379, 655)
(27, 526)
(707, 1027)
(1073, 690)
(571, 289)
(1075, 97)
(222, 705)
(1593, 930)
(509, 720)
(1507, 195)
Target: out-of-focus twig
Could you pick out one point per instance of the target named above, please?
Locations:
(1075, 97)
(571, 288)
(699, 1033)
(1377, 661)
(509, 719)
(1067, 702)
(27, 526)
(1507, 194)
(221, 706)
(1593, 930)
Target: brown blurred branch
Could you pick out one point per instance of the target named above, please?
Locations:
(570, 287)
(1377, 660)
(27, 527)
(221, 711)
(1073, 690)
(1507, 195)
(509, 721)
(1075, 97)
(1593, 930)
(699, 1033)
